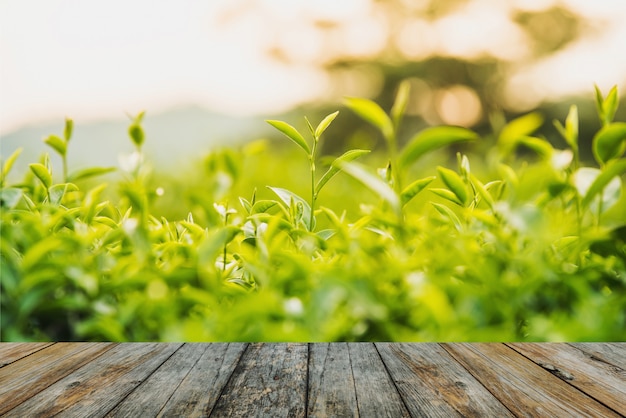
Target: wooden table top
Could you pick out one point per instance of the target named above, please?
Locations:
(318, 379)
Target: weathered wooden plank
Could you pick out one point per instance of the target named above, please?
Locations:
(94, 390)
(432, 383)
(375, 392)
(612, 353)
(198, 392)
(10, 352)
(25, 378)
(523, 387)
(270, 380)
(331, 385)
(602, 381)
(150, 396)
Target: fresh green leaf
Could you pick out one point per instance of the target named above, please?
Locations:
(58, 191)
(414, 188)
(447, 194)
(137, 134)
(10, 197)
(246, 204)
(449, 215)
(350, 155)
(522, 126)
(454, 182)
(609, 142)
(291, 133)
(483, 191)
(374, 183)
(601, 179)
(58, 144)
(610, 105)
(311, 130)
(8, 164)
(326, 234)
(68, 129)
(571, 127)
(373, 114)
(324, 124)
(42, 174)
(89, 172)
(539, 145)
(606, 107)
(432, 138)
(263, 206)
(292, 201)
(400, 103)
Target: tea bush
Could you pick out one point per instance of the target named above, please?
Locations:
(490, 247)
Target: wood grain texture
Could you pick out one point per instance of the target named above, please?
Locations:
(95, 390)
(10, 352)
(602, 381)
(525, 388)
(432, 383)
(295, 380)
(270, 380)
(23, 379)
(611, 353)
(198, 392)
(376, 393)
(150, 396)
(331, 385)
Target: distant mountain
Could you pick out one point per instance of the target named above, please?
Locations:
(172, 137)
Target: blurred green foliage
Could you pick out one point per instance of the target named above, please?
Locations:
(407, 244)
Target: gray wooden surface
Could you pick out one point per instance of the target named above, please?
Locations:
(316, 380)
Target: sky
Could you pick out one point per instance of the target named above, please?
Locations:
(101, 60)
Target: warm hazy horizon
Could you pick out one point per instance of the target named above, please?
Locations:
(95, 61)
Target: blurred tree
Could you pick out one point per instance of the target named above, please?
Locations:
(460, 55)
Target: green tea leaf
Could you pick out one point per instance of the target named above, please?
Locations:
(518, 128)
(522, 126)
(58, 144)
(609, 142)
(449, 215)
(291, 133)
(454, 182)
(290, 199)
(308, 124)
(324, 124)
(611, 102)
(371, 113)
(58, 191)
(10, 197)
(482, 190)
(42, 174)
(214, 243)
(350, 155)
(608, 173)
(89, 172)
(136, 133)
(539, 145)
(414, 188)
(68, 129)
(571, 127)
(399, 105)
(374, 183)
(326, 234)
(606, 107)
(263, 206)
(246, 204)
(8, 164)
(432, 138)
(448, 195)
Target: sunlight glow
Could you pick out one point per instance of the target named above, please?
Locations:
(99, 60)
